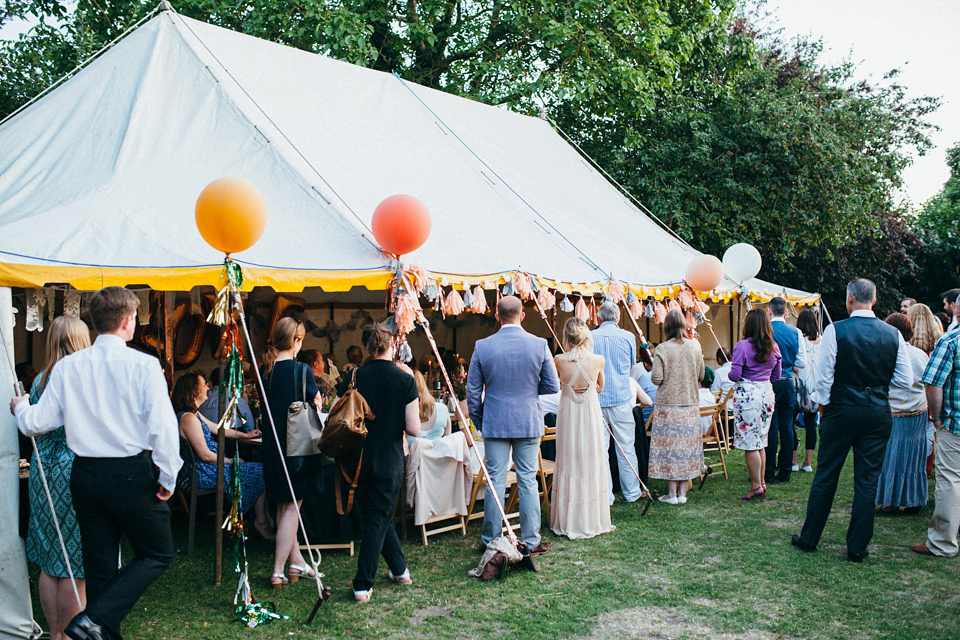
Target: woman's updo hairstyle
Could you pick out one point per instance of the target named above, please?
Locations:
(377, 339)
(576, 334)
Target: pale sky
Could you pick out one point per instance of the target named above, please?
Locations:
(920, 37)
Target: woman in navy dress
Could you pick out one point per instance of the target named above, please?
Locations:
(282, 386)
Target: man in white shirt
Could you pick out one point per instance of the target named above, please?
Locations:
(114, 405)
(860, 358)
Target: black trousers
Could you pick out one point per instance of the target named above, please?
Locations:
(781, 431)
(866, 431)
(376, 498)
(115, 496)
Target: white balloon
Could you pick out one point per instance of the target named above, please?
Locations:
(741, 262)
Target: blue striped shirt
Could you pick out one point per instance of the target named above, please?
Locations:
(619, 350)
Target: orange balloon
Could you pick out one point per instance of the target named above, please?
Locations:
(231, 214)
(704, 273)
(401, 224)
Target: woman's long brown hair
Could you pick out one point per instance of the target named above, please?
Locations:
(757, 329)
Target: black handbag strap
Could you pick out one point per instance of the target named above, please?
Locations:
(303, 381)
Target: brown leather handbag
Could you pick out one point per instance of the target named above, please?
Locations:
(346, 425)
(345, 431)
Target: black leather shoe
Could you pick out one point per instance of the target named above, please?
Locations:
(857, 557)
(780, 477)
(800, 544)
(86, 627)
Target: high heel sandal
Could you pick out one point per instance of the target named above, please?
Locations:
(277, 580)
(296, 572)
(759, 493)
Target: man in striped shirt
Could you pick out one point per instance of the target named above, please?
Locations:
(618, 348)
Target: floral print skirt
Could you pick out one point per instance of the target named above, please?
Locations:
(676, 443)
(752, 412)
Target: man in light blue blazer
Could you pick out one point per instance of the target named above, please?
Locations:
(508, 372)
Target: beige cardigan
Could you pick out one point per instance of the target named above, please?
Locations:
(677, 370)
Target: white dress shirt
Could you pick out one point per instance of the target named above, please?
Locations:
(113, 403)
(902, 372)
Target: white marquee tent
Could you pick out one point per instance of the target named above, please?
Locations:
(98, 178)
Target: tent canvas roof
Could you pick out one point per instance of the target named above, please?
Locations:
(98, 179)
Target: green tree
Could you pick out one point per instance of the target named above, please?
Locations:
(606, 56)
(938, 225)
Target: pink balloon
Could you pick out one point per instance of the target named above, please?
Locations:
(704, 273)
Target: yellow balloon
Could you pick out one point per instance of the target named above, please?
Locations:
(231, 214)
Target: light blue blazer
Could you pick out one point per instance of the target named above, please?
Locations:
(509, 372)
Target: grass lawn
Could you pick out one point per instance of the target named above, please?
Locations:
(716, 567)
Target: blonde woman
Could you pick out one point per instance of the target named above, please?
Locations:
(926, 328)
(67, 335)
(581, 496)
(434, 417)
(676, 447)
(926, 331)
(282, 386)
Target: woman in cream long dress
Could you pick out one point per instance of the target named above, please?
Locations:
(581, 499)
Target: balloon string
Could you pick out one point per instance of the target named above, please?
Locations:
(19, 391)
(422, 319)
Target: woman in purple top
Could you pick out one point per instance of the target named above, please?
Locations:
(754, 365)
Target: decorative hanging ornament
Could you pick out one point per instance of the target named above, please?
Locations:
(467, 298)
(673, 305)
(509, 289)
(648, 311)
(615, 291)
(582, 311)
(565, 305)
(521, 283)
(453, 304)
(594, 320)
(479, 302)
(659, 312)
(432, 290)
(686, 298)
(546, 299)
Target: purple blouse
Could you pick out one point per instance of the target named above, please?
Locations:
(744, 364)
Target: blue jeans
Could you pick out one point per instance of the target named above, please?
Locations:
(620, 419)
(497, 457)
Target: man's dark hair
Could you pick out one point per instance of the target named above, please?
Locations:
(109, 306)
(355, 349)
(951, 296)
(778, 306)
(309, 356)
(723, 356)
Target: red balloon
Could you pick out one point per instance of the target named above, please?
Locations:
(401, 224)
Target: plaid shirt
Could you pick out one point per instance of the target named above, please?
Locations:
(941, 371)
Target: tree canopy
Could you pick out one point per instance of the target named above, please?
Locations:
(725, 133)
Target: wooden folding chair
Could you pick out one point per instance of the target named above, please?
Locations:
(479, 486)
(726, 416)
(712, 439)
(545, 470)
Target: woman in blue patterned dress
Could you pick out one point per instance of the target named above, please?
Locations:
(189, 393)
(67, 335)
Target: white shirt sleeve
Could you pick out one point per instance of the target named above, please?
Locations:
(826, 367)
(47, 414)
(903, 371)
(801, 360)
(163, 433)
